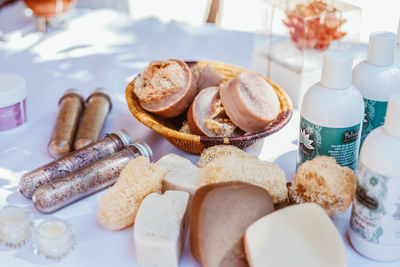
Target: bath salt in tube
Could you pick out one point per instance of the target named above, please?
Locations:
(111, 143)
(86, 181)
(94, 117)
(71, 106)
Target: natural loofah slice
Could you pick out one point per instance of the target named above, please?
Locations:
(247, 169)
(119, 205)
(324, 182)
(212, 153)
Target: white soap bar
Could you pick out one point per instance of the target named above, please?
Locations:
(181, 173)
(160, 229)
(301, 235)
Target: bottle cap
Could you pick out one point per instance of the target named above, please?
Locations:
(381, 48)
(336, 69)
(123, 135)
(392, 120)
(144, 150)
(12, 89)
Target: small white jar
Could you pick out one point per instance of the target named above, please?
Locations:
(12, 101)
(53, 238)
(15, 226)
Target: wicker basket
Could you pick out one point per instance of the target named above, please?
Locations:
(194, 143)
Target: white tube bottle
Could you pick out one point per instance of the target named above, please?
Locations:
(397, 56)
(376, 78)
(375, 217)
(331, 114)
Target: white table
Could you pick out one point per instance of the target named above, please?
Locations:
(106, 48)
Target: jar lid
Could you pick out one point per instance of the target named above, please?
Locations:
(12, 89)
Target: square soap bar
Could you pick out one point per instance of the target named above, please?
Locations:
(160, 229)
(181, 173)
(301, 235)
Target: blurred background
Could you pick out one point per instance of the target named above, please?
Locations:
(241, 15)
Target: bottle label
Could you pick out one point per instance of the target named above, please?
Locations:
(374, 117)
(339, 143)
(375, 215)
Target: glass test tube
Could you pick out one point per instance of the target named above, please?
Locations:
(71, 106)
(86, 181)
(111, 143)
(94, 117)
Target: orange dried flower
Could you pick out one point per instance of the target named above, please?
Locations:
(314, 25)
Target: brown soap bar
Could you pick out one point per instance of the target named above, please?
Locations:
(208, 77)
(166, 88)
(94, 117)
(206, 115)
(219, 216)
(250, 102)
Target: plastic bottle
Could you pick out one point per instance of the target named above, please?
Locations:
(375, 218)
(331, 114)
(376, 78)
(397, 56)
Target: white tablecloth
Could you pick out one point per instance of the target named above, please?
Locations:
(105, 48)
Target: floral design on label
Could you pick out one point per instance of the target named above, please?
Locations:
(375, 214)
(374, 117)
(340, 143)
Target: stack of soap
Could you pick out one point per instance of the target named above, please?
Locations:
(160, 229)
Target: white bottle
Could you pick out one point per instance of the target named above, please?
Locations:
(376, 78)
(331, 114)
(375, 218)
(397, 56)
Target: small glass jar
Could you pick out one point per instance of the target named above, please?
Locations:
(15, 226)
(53, 238)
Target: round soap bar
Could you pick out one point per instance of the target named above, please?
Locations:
(250, 102)
(201, 109)
(166, 88)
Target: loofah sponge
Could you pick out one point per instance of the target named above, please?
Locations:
(212, 153)
(324, 182)
(120, 203)
(247, 169)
